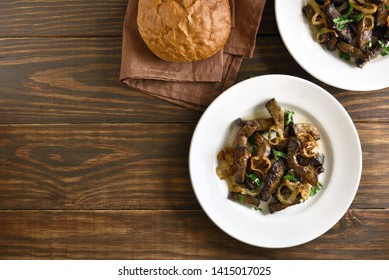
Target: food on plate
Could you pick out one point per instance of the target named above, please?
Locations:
(272, 159)
(359, 29)
(177, 30)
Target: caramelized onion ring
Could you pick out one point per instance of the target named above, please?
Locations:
(365, 8)
(368, 22)
(260, 165)
(320, 36)
(305, 190)
(309, 146)
(242, 190)
(319, 17)
(279, 135)
(292, 191)
(226, 166)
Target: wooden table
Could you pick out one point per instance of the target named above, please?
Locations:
(93, 170)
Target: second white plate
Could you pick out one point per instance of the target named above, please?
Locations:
(324, 65)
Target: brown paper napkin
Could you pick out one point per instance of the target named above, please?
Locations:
(191, 84)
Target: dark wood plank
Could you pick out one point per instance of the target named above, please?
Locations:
(76, 80)
(73, 80)
(367, 106)
(139, 166)
(373, 188)
(78, 18)
(268, 25)
(130, 166)
(62, 18)
(173, 235)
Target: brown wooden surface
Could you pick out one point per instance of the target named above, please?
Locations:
(93, 170)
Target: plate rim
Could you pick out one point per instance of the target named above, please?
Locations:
(231, 91)
(367, 86)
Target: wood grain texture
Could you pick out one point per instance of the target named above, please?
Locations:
(375, 144)
(61, 18)
(139, 166)
(75, 18)
(268, 24)
(90, 169)
(76, 80)
(130, 166)
(71, 80)
(173, 235)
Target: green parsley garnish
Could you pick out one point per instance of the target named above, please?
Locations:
(256, 208)
(241, 198)
(278, 154)
(387, 7)
(320, 30)
(385, 48)
(254, 178)
(291, 177)
(341, 21)
(315, 189)
(358, 17)
(344, 56)
(288, 117)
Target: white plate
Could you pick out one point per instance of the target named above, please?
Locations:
(324, 65)
(297, 224)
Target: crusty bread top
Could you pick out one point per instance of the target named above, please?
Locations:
(184, 30)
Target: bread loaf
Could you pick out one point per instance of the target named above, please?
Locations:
(184, 30)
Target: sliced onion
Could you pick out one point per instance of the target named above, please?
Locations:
(366, 7)
(260, 165)
(279, 135)
(289, 198)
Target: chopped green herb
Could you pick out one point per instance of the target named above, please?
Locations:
(315, 189)
(278, 154)
(385, 48)
(341, 21)
(254, 178)
(291, 177)
(320, 30)
(256, 208)
(241, 198)
(358, 17)
(387, 7)
(288, 117)
(344, 56)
